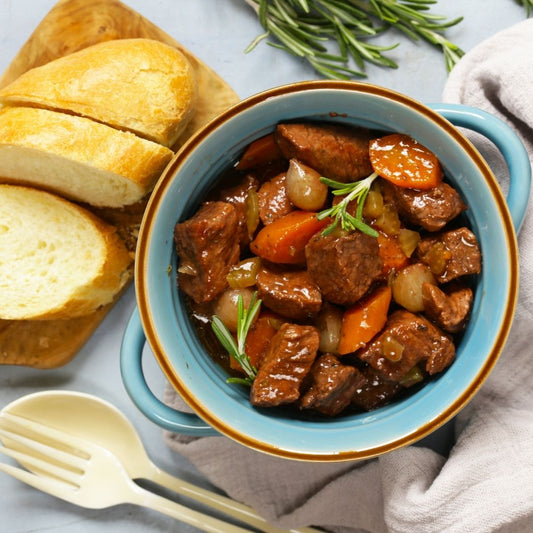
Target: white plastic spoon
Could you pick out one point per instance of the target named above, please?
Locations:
(94, 419)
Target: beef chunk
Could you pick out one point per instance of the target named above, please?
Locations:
(279, 379)
(238, 197)
(448, 310)
(418, 339)
(337, 152)
(451, 254)
(374, 391)
(273, 200)
(432, 209)
(332, 387)
(290, 293)
(343, 266)
(207, 245)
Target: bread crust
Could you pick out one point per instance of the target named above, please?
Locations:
(78, 158)
(138, 85)
(94, 127)
(86, 273)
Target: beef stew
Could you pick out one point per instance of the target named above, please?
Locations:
(362, 299)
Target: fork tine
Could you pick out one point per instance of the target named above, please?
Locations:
(50, 486)
(45, 450)
(78, 445)
(44, 466)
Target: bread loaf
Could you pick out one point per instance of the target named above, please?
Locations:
(76, 157)
(139, 85)
(57, 260)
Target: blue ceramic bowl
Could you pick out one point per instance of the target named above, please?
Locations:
(161, 316)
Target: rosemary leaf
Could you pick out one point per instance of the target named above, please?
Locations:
(407, 31)
(334, 60)
(256, 41)
(333, 71)
(303, 4)
(339, 11)
(223, 335)
(285, 12)
(298, 47)
(240, 381)
(262, 13)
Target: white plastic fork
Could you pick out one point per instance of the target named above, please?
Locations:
(93, 419)
(84, 473)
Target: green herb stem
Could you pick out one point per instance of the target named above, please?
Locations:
(236, 348)
(355, 191)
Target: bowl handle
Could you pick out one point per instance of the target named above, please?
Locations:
(510, 146)
(133, 378)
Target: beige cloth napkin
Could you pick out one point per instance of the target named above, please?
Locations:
(485, 484)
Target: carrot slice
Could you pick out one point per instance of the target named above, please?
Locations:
(405, 162)
(260, 152)
(258, 339)
(391, 253)
(284, 240)
(364, 320)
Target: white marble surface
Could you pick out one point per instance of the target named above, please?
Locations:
(217, 31)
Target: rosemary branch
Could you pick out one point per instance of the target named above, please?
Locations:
(236, 349)
(305, 28)
(354, 191)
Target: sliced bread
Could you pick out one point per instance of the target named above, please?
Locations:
(76, 157)
(139, 85)
(57, 260)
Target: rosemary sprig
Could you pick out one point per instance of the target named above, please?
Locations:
(245, 319)
(357, 190)
(306, 28)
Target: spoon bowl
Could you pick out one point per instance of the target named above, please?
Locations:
(87, 417)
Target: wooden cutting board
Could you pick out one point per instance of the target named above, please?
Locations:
(68, 27)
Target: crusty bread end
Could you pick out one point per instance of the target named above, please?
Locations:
(57, 260)
(139, 85)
